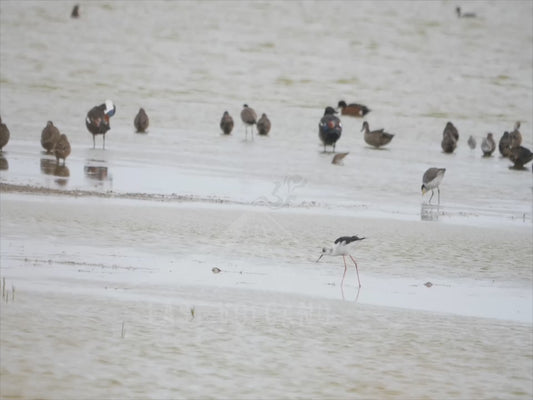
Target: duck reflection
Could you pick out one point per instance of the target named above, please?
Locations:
(429, 212)
(51, 167)
(4, 164)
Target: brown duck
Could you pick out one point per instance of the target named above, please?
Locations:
(263, 125)
(353, 109)
(226, 123)
(62, 148)
(520, 156)
(141, 121)
(4, 134)
(376, 138)
(49, 136)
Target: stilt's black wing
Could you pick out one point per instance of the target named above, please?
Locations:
(348, 239)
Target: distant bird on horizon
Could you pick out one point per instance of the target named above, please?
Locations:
(504, 144)
(49, 136)
(329, 128)
(488, 145)
(338, 158)
(343, 246)
(464, 15)
(97, 120)
(376, 138)
(4, 135)
(141, 121)
(263, 125)
(62, 148)
(249, 117)
(472, 142)
(353, 109)
(226, 123)
(75, 11)
(431, 181)
(520, 156)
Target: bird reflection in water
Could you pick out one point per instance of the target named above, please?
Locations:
(429, 212)
(50, 167)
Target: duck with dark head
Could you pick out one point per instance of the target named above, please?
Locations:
(329, 128)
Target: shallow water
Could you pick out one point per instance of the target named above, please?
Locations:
(131, 233)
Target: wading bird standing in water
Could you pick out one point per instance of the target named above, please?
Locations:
(343, 246)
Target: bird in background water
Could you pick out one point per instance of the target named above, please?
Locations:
(329, 128)
(376, 138)
(249, 117)
(97, 120)
(343, 246)
(49, 136)
(226, 123)
(488, 145)
(141, 121)
(263, 125)
(62, 148)
(4, 135)
(472, 142)
(431, 181)
(353, 109)
(338, 158)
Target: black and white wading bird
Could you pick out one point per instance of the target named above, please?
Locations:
(431, 180)
(343, 246)
(249, 117)
(97, 120)
(329, 128)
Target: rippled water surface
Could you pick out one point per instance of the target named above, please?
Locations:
(108, 260)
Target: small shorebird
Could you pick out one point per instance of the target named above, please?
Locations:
(353, 109)
(472, 142)
(329, 128)
(4, 134)
(62, 148)
(263, 125)
(49, 136)
(520, 156)
(141, 121)
(97, 120)
(488, 145)
(337, 158)
(431, 180)
(376, 138)
(464, 15)
(249, 117)
(343, 246)
(226, 123)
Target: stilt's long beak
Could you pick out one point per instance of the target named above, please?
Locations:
(319, 258)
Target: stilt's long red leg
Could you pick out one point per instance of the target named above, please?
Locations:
(357, 270)
(345, 268)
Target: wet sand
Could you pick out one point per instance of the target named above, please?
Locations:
(122, 283)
